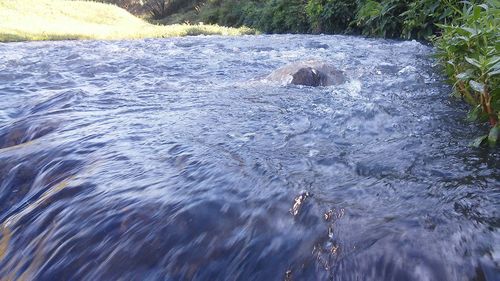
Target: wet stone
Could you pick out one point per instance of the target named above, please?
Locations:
(308, 73)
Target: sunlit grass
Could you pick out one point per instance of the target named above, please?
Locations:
(22, 20)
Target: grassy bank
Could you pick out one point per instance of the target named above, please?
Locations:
(22, 20)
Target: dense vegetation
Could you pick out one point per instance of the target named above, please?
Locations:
(388, 18)
(57, 20)
(466, 34)
(156, 9)
(469, 50)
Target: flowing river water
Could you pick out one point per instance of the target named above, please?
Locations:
(173, 159)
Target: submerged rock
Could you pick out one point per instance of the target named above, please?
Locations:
(308, 73)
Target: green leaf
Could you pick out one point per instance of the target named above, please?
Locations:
(476, 13)
(493, 73)
(472, 31)
(478, 141)
(474, 114)
(494, 66)
(493, 136)
(443, 26)
(474, 62)
(495, 60)
(464, 76)
(484, 6)
(476, 86)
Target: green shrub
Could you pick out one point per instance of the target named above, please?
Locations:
(229, 13)
(421, 17)
(331, 16)
(382, 19)
(281, 16)
(469, 49)
(251, 14)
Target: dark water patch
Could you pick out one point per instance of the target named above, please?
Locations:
(23, 132)
(25, 182)
(316, 45)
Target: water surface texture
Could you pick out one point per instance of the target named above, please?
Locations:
(173, 160)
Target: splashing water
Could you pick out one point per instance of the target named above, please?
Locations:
(173, 160)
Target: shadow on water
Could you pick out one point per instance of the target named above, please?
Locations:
(22, 133)
(171, 160)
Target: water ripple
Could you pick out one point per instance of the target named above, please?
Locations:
(172, 159)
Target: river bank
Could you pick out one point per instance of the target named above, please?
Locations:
(31, 20)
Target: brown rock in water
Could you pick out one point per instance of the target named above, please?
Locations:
(308, 73)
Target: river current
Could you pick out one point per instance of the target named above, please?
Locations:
(173, 159)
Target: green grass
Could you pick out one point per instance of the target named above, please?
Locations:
(26, 20)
